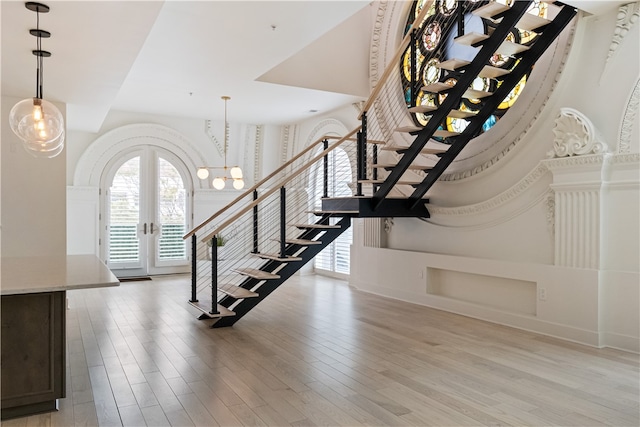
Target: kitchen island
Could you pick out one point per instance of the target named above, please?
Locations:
(33, 292)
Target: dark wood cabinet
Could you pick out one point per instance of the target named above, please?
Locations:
(33, 352)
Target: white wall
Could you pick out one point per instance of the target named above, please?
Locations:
(33, 197)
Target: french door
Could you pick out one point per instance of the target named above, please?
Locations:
(147, 213)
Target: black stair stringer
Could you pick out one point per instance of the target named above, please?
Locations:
(453, 98)
(285, 273)
(528, 59)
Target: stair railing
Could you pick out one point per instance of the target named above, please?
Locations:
(263, 220)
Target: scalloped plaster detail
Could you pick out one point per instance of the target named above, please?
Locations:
(496, 201)
(628, 15)
(628, 120)
(575, 135)
(208, 130)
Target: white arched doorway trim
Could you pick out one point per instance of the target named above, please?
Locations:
(117, 142)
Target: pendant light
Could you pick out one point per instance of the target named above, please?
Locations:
(235, 173)
(36, 121)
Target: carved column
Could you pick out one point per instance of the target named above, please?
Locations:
(577, 163)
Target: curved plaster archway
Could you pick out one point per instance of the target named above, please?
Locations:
(112, 144)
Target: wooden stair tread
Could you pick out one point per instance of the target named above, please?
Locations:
(410, 167)
(236, 291)
(255, 273)
(440, 133)
(436, 87)
(508, 48)
(277, 257)
(302, 242)
(528, 21)
(493, 72)
(432, 147)
(381, 181)
(531, 22)
(423, 109)
(375, 141)
(205, 307)
(459, 114)
(490, 10)
(315, 226)
(487, 71)
(343, 212)
(427, 109)
(476, 94)
(471, 38)
(409, 128)
(453, 64)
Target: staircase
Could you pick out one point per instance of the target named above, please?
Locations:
(277, 226)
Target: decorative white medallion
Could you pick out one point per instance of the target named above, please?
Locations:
(575, 135)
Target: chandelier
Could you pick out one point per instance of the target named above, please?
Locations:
(235, 173)
(36, 121)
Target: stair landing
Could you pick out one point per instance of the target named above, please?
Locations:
(362, 207)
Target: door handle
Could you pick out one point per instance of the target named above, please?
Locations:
(151, 228)
(144, 228)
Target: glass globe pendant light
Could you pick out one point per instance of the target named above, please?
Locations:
(36, 121)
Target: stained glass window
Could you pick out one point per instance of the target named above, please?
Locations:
(435, 44)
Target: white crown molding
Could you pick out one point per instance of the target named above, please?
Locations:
(575, 162)
(628, 120)
(575, 135)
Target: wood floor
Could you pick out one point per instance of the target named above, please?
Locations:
(318, 353)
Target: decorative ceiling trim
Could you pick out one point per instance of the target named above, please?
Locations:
(209, 132)
(628, 15)
(497, 201)
(629, 119)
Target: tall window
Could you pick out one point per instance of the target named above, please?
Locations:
(435, 45)
(335, 258)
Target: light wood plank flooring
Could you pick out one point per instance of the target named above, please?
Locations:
(318, 353)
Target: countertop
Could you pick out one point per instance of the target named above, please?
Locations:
(26, 275)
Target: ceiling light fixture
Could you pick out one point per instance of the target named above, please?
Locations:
(37, 122)
(235, 172)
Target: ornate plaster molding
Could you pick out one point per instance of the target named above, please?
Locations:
(550, 204)
(621, 159)
(559, 163)
(628, 15)
(628, 120)
(285, 138)
(575, 135)
(257, 152)
(497, 201)
(208, 130)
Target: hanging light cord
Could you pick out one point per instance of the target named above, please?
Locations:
(39, 58)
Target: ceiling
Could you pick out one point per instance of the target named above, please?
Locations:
(280, 61)
(277, 60)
